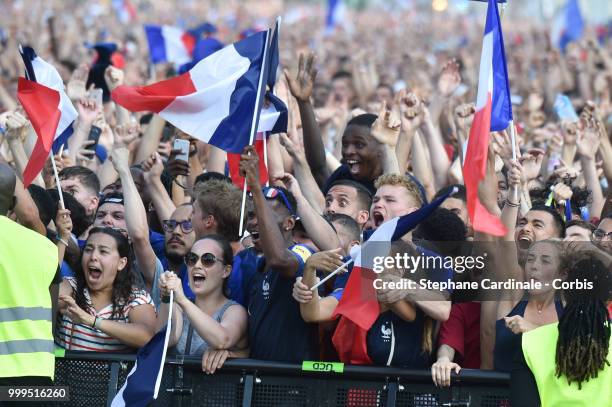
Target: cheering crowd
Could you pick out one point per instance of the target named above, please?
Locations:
(379, 117)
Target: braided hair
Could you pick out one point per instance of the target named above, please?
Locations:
(584, 327)
(122, 286)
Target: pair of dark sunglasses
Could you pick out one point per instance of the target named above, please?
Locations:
(274, 193)
(170, 225)
(207, 259)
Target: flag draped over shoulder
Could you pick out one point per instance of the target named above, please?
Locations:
(214, 101)
(493, 113)
(358, 308)
(42, 95)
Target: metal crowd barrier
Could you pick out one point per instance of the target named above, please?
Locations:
(94, 379)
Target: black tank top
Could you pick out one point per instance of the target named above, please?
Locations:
(507, 343)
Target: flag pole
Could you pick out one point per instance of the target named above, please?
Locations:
(166, 341)
(265, 148)
(254, 124)
(57, 181)
(333, 273)
(512, 128)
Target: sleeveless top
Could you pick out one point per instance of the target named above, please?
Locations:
(190, 343)
(539, 347)
(507, 343)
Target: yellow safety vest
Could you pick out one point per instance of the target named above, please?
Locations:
(28, 263)
(539, 348)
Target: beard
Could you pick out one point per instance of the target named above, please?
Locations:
(175, 257)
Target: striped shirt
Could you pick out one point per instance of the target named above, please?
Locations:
(85, 338)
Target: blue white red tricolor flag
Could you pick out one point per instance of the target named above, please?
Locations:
(49, 109)
(143, 382)
(214, 101)
(126, 11)
(169, 44)
(358, 308)
(493, 113)
(568, 26)
(335, 15)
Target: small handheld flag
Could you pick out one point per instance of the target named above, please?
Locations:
(48, 107)
(358, 308)
(493, 113)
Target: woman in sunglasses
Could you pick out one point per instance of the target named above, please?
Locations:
(212, 326)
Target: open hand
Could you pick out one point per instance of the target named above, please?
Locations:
(302, 85)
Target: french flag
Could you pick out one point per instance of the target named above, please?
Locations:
(358, 308)
(169, 44)
(126, 11)
(214, 101)
(142, 384)
(272, 120)
(42, 95)
(335, 15)
(568, 26)
(493, 113)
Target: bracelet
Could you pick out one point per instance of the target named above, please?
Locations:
(514, 205)
(94, 323)
(59, 239)
(165, 299)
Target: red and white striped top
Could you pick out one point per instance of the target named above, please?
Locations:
(85, 338)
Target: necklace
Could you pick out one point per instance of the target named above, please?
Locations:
(540, 308)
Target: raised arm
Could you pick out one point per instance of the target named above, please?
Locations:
(273, 243)
(88, 112)
(135, 213)
(301, 88)
(151, 138)
(433, 138)
(320, 231)
(587, 145)
(302, 173)
(153, 168)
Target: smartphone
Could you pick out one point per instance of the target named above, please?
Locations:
(183, 145)
(94, 134)
(96, 94)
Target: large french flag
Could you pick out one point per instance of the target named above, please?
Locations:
(49, 109)
(358, 308)
(169, 44)
(142, 385)
(493, 113)
(213, 102)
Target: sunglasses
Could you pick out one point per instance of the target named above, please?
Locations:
(599, 234)
(208, 259)
(170, 225)
(274, 193)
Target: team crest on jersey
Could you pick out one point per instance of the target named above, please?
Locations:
(265, 289)
(385, 330)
